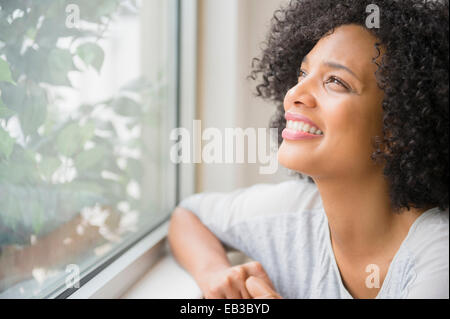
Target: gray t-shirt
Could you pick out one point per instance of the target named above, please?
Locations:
(285, 228)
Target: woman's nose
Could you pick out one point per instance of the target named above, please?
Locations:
(300, 95)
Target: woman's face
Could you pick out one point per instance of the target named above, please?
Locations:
(338, 92)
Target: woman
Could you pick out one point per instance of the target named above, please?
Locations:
(367, 122)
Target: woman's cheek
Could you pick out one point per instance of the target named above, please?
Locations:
(346, 136)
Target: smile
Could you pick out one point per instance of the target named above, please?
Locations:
(299, 126)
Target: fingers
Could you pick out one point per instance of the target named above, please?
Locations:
(215, 293)
(238, 275)
(231, 283)
(260, 289)
(244, 293)
(232, 292)
(254, 268)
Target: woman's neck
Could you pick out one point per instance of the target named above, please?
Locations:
(360, 217)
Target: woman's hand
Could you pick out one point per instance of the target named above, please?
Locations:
(230, 282)
(259, 289)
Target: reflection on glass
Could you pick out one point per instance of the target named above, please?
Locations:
(85, 86)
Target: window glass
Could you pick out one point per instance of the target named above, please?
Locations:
(87, 98)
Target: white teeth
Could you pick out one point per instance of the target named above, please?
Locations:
(305, 127)
(301, 126)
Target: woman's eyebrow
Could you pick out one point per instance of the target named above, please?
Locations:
(335, 65)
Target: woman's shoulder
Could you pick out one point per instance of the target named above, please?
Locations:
(291, 196)
(428, 245)
(429, 236)
(432, 226)
(260, 200)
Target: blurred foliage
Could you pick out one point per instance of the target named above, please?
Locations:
(31, 63)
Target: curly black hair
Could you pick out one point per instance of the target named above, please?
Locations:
(413, 74)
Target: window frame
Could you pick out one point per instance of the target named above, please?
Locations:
(111, 277)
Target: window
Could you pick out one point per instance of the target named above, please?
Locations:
(88, 96)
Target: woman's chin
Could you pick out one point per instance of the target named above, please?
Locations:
(294, 158)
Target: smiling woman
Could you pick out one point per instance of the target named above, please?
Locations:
(344, 103)
(372, 222)
(412, 73)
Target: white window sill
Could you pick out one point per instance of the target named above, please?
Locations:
(166, 279)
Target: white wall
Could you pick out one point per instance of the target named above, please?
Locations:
(230, 33)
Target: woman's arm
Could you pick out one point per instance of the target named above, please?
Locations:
(202, 254)
(194, 245)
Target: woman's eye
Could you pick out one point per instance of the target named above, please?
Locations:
(301, 74)
(338, 84)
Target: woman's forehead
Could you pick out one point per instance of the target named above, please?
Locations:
(350, 45)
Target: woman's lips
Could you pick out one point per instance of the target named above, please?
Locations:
(298, 117)
(290, 134)
(293, 132)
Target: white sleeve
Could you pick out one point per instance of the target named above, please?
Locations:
(431, 250)
(221, 211)
(434, 287)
